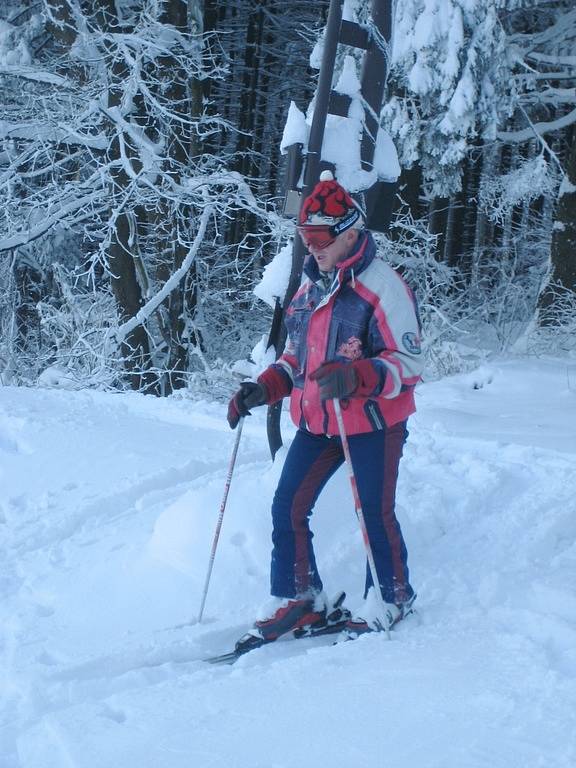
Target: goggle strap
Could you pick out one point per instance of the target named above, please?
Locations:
(334, 229)
(346, 223)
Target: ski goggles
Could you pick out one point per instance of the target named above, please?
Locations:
(318, 236)
(322, 235)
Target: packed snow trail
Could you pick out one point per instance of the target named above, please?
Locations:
(107, 510)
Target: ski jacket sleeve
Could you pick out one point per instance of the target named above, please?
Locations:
(394, 333)
(276, 381)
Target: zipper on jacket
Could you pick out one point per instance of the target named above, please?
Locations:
(375, 414)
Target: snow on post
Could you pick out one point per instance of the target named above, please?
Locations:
(275, 278)
(343, 137)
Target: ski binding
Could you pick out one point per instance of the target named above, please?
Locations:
(335, 622)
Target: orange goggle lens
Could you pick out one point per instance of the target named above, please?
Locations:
(319, 236)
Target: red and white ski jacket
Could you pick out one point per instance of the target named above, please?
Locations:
(369, 315)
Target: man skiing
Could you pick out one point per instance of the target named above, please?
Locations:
(353, 335)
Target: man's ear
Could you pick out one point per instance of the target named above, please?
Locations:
(351, 237)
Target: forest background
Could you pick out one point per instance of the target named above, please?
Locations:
(142, 182)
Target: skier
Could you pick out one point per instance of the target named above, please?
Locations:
(354, 335)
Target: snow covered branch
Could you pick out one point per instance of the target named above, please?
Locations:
(35, 75)
(121, 333)
(52, 219)
(538, 129)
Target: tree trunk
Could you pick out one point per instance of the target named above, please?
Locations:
(564, 236)
(123, 280)
(126, 290)
(563, 259)
(450, 254)
(484, 230)
(28, 279)
(437, 216)
(185, 97)
(410, 192)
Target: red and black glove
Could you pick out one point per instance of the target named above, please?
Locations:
(338, 380)
(248, 396)
(273, 384)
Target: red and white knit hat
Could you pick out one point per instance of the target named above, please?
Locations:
(330, 205)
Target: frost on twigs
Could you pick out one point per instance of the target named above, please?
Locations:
(107, 140)
(499, 194)
(411, 249)
(555, 332)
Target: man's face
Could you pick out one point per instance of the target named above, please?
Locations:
(328, 256)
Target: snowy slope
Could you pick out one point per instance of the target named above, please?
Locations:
(107, 510)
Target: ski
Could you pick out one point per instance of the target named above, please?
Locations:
(335, 622)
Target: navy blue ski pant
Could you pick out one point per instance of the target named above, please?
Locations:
(311, 461)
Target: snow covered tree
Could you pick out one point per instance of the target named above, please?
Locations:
(445, 86)
(481, 110)
(105, 139)
(542, 37)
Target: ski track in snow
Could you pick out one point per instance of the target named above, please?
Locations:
(107, 510)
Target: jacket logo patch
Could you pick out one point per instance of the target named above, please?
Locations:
(411, 342)
(351, 349)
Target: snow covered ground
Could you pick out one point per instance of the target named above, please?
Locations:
(108, 505)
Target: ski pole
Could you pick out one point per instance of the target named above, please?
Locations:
(359, 513)
(221, 516)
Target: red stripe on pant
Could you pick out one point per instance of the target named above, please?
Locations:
(311, 461)
(323, 468)
(393, 452)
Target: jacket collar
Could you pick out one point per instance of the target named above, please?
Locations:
(360, 257)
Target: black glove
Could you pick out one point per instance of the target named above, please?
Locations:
(248, 396)
(336, 380)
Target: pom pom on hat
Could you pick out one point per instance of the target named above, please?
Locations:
(329, 204)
